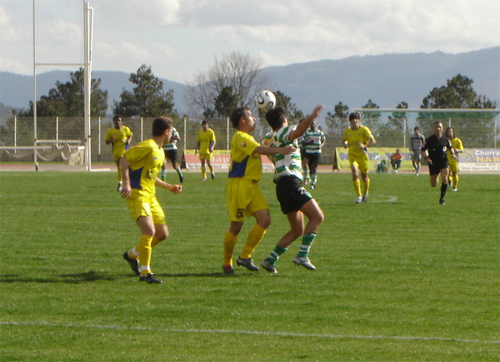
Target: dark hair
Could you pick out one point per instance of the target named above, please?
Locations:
(416, 128)
(161, 124)
(276, 117)
(117, 116)
(354, 115)
(237, 114)
(447, 129)
(203, 122)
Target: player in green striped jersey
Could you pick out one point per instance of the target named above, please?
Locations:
(314, 139)
(294, 199)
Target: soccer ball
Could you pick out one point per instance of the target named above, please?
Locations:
(265, 100)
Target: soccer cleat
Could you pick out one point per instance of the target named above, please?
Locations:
(247, 263)
(306, 181)
(268, 266)
(441, 201)
(134, 264)
(454, 189)
(228, 269)
(119, 188)
(304, 261)
(203, 179)
(365, 198)
(150, 278)
(313, 186)
(359, 199)
(213, 176)
(181, 178)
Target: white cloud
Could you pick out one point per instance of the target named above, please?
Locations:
(180, 37)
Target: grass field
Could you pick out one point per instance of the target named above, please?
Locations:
(400, 278)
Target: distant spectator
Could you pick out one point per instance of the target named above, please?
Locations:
(396, 158)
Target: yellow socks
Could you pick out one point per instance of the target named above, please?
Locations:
(366, 186)
(229, 244)
(254, 237)
(144, 250)
(357, 187)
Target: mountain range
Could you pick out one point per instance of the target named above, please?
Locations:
(385, 79)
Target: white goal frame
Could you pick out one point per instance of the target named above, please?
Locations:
(432, 110)
(88, 25)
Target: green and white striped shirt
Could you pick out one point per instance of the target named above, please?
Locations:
(285, 165)
(318, 137)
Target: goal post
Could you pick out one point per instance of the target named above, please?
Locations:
(88, 19)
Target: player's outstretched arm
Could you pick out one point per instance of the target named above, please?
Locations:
(264, 150)
(172, 188)
(306, 123)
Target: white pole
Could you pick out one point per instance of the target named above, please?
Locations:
(185, 133)
(142, 129)
(15, 133)
(404, 132)
(57, 130)
(87, 80)
(35, 160)
(99, 138)
(227, 133)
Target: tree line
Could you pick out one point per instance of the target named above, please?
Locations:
(232, 82)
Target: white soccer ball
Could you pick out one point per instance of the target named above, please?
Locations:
(265, 100)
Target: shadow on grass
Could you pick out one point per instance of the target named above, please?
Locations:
(205, 275)
(93, 276)
(90, 276)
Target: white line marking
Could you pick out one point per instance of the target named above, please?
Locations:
(259, 333)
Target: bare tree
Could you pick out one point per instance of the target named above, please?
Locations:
(239, 72)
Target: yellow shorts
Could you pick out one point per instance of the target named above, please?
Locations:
(453, 166)
(118, 154)
(361, 162)
(144, 204)
(243, 198)
(206, 156)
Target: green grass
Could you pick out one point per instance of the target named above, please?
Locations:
(400, 278)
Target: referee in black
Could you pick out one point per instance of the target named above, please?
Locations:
(434, 152)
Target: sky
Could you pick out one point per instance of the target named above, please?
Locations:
(182, 38)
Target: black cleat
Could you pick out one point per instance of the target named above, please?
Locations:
(150, 278)
(441, 201)
(228, 269)
(133, 263)
(247, 263)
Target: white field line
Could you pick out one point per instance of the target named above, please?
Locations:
(242, 332)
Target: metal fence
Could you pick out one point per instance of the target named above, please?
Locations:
(391, 128)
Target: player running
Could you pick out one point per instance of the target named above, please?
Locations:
(120, 137)
(358, 138)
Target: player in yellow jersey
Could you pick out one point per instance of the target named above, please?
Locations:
(205, 143)
(120, 137)
(358, 138)
(140, 166)
(458, 147)
(243, 195)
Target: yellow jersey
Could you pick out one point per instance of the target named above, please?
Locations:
(244, 162)
(145, 160)
(456, 143)
(205, 138)
(362, 134)
(121, 136)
